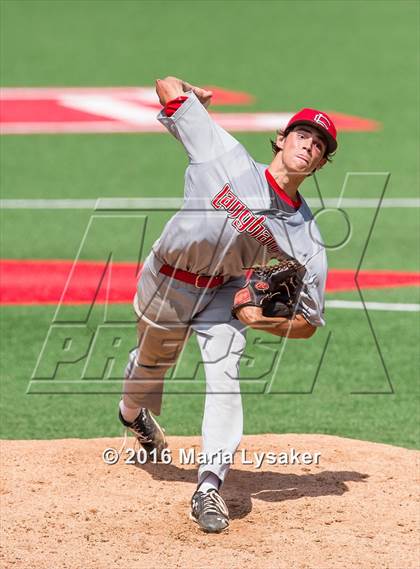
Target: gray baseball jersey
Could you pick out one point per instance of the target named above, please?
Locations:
(230, 217)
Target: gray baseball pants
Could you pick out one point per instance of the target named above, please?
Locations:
(169, 311)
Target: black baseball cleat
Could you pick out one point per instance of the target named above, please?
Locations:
(209, 511)
(148, 432)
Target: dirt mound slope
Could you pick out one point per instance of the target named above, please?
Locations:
(62, 506)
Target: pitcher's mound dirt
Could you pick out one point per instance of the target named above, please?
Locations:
(63, 507)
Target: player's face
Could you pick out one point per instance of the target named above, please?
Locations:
(303, 150)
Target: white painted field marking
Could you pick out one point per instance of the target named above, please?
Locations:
(386, 306)
(176, 203)
(110, 107)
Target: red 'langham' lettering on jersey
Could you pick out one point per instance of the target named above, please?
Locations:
(243, 218)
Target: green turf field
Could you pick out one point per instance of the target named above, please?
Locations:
(353, 57)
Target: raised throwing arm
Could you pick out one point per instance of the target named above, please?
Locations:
(171, 87)
(189, 122)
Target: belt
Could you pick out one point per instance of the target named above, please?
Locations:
(199, 281)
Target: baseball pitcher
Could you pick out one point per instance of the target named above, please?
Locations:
(243, 251)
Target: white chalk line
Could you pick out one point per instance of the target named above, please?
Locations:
(357, 305)
(386, 306)
(176, 203)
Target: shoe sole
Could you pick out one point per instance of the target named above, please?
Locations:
(160, 442)
(207, 530)
(161, 431)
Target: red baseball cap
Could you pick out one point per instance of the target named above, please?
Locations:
(318, 120)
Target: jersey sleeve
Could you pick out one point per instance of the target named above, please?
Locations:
(202, 138)
(312, 297)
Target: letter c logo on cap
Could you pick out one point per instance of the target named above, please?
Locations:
(322, 120)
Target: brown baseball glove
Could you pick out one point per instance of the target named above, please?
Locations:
(275, 288)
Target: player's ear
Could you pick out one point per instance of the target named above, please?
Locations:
(321, 164)
(280, 139)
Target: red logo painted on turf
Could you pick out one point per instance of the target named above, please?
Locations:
(26, 110)
(46, 282)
